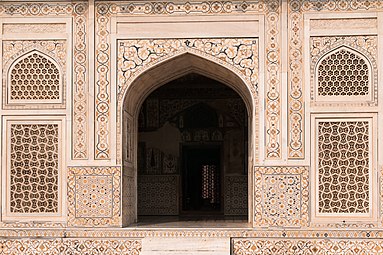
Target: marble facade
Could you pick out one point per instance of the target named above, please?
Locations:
(74, 74)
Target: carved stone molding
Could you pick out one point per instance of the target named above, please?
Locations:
(356, 233)
(306, 246)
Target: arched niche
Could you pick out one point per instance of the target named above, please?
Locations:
(344, 74)
(33, 78)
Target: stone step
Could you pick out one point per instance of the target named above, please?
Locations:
(185, 246)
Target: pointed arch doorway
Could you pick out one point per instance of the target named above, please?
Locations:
(188, 134)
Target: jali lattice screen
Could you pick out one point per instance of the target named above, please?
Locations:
(34, 168)
(343, 167)
(343, 73)
(34, 77)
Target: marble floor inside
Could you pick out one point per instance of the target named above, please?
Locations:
(192, 222)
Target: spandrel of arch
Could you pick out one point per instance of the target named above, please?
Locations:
(150, 79)
(178, 66)
(343, 73)
(34, 78)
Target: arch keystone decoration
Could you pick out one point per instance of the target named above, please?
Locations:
(242, 54)
(105, 14)
(235, 59)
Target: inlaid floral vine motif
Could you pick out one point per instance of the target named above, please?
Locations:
(241, 53)
(281, 196)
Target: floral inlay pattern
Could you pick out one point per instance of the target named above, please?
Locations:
(134, 54)
(94, 196)
(281, 196)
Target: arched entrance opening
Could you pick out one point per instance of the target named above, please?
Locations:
(187, 143)
(192, 151)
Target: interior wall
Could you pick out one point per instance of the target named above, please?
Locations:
(164, 132)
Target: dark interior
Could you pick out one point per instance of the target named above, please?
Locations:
(192, 150)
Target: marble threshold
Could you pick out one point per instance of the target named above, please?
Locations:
(149, 222)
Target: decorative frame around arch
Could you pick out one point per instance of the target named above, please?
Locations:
(363, 46)
(149, 75)
(178, 48)
(106, 14)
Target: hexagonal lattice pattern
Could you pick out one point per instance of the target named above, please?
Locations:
(343, 73)
(34, 77)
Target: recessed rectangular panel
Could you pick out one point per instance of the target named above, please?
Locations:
(40, 28)
(248, 28)
(343, 167)
(34, 168)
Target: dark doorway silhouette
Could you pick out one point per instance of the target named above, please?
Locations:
(201, 179)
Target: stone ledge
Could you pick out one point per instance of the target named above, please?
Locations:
(136, 233)
(70, 246)
(306, 246)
